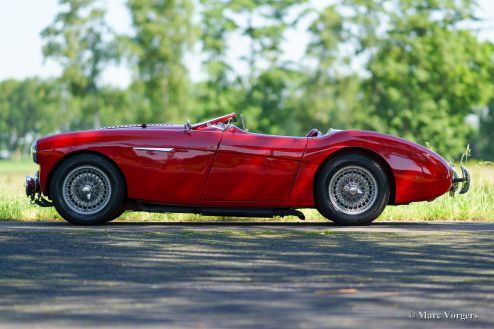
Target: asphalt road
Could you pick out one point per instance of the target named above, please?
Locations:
(247, 276)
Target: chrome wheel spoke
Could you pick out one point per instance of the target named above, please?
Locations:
(86, 190)
(353, 190)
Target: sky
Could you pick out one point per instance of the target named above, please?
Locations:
(21, 22)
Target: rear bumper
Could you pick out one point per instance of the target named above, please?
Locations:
(457, 180)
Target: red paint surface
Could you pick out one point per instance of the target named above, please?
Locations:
(253, 169)
(216, 167)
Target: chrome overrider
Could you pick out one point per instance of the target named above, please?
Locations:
(457, 180)
(33, 191)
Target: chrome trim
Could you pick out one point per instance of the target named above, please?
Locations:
(158, 149)
(34, 151)
(135, 125)
(86, 190)
(188, 126)
(32, 186)
(466, 180)
(33, 191)
(353, 190)
(332, 131)
(454, 185)
(457, 180)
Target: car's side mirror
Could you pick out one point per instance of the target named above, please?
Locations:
(242, 122)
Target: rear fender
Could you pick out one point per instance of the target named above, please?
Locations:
(417, 173)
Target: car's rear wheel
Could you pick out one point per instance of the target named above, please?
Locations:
(352, 190)
(87, 189)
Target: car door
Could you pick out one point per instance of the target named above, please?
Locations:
(171, 166)
(253, 170)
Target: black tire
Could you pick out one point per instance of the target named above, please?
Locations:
(103, 176)
(118, 214)
(352, 201)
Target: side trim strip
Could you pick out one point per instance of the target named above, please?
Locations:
(158, 149)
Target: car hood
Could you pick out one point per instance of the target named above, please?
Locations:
(101, 134)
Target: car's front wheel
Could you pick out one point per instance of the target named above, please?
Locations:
(352, 190)
(87, 189)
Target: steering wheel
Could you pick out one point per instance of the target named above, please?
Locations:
(313, 133)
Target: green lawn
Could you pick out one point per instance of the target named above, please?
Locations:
(476, 205)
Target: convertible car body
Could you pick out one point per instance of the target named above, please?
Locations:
(217, 168)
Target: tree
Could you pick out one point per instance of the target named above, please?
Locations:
(270, 87)
(220, 92)
(330, 94)
(485, 135)
(80, 40)
(28, 109)
(426, 72)
(163, 32)
(116, 106)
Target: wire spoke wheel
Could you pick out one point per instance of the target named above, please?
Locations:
(353, 190)
(86, 190)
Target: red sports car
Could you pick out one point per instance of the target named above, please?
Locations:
(216, 168)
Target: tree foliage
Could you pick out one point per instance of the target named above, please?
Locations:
(415, 69)
(485, 134)
(163, 34)
(28, 110)
(80, 41)
(426, 71)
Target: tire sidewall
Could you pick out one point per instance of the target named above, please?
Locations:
(324, 203)
(117, 197)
